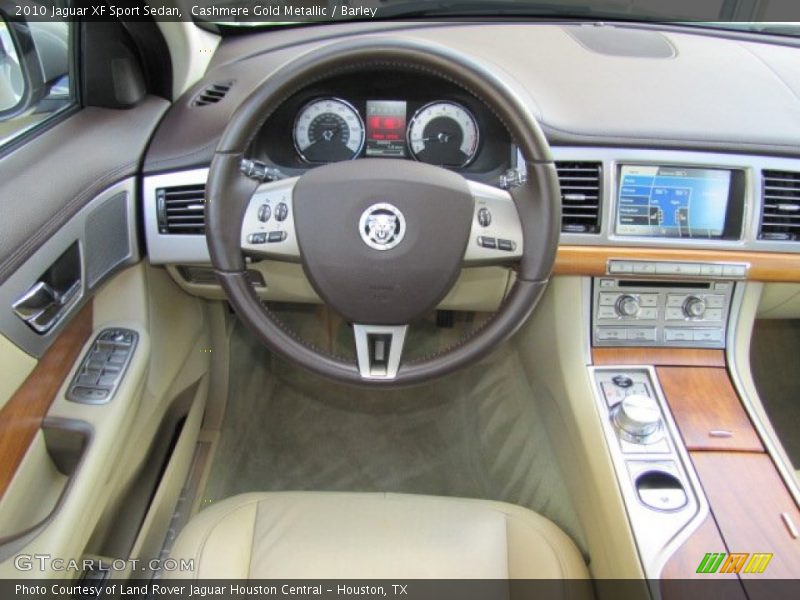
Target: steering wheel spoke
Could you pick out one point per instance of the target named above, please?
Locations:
(496, 234)
(268, 228)
(379, 349)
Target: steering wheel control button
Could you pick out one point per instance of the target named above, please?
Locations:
(382, 226)
(102, 368)
(257, 238)
(264, 213)
(281, 211)
(276, 236)
(487, 242)
(506, 245)
(484, 217)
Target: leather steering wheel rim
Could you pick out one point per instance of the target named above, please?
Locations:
(537, 200)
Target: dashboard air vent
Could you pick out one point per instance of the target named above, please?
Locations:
(780, 215)
(181, 209)
(212, 94)
(580, 196)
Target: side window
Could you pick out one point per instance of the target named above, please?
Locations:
(35, 81)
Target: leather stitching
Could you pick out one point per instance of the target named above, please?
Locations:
(64, 214)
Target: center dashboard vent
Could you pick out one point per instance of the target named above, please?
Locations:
(780, 213)
(181, 209)
(581, 185)
(212, 94)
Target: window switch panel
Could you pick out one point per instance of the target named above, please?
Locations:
(103, 367)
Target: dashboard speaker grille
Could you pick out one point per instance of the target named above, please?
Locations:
(581, 193)
(780, 216)
(181, 209)
(212, 94)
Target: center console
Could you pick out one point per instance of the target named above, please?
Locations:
(671, 303)
(643, 303)
(657, 480)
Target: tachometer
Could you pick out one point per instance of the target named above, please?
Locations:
(328, 130)
(443, 133)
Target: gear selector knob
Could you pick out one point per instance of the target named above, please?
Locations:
(637, 417)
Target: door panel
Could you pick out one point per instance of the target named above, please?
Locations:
(70, 256)
(17, 365)
(44, 183)
(104, 233)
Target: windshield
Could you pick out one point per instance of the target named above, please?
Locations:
(777, 17)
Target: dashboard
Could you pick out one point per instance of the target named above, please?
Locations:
(656, 165)
(385, 114)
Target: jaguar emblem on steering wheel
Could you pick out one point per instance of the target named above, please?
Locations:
(382, 226)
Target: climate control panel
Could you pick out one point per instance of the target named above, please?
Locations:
(637, 312)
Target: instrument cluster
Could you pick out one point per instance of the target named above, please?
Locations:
(385, 115)
(441, 132)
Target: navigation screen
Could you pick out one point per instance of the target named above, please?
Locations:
(386, 128)
(673, 202)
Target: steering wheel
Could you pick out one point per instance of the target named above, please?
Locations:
(382, 241)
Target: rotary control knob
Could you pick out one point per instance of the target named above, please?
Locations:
(627, 306)
(694, 307)
(637, 417)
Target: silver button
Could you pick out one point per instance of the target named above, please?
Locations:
(673, 334)
(713, 314)
(607, 333)
(647, 334)
(687, 269)
(733, 271)
(711, 270)
(707, 335)
(608, 299)
(618, 266)
(648, 300)
(643, 268)
(674, 314)
(715, 301)
(675, 300)
(648, 313)
(666, 268)
(606, 312)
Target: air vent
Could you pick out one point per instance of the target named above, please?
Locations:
(580, 196)
(212, 94)
(780, 216)
(181, 209)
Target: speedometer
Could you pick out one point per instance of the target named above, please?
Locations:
(443, 133)
(328, 130)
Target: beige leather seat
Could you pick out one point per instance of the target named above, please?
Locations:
(351, 535)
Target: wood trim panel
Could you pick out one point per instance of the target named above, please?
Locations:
(675, 357)
(703, 400)
(747, 497)
(682, 565)
(592, 260)
(22, 415)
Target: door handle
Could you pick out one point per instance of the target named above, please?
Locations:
(42, 306)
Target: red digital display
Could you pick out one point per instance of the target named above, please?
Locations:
(386, 128)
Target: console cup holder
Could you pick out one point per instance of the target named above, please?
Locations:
(660, 490)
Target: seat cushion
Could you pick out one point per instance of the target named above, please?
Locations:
(377, 536)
